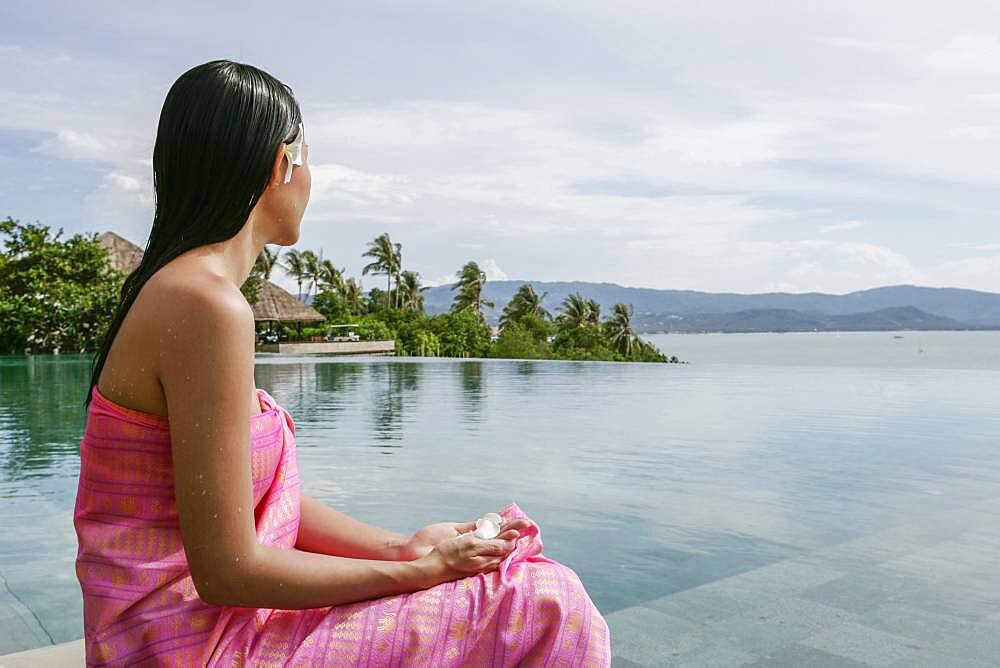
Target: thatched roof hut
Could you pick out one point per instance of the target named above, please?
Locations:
(122, 253)
(273, 303)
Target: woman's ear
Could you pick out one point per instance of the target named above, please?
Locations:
(277, 170)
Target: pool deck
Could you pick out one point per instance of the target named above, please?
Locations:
(920, 594)
(926, 593)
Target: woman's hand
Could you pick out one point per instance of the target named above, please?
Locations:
(424, 540)
(464, 555)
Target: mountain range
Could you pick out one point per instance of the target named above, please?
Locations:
(896, 307)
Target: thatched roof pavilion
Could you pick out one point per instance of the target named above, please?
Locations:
(273, 303)
(122, 253)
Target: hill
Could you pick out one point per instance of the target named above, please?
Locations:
(784, 320)
(964, 308)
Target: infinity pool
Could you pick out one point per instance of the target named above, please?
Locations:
(719, 514)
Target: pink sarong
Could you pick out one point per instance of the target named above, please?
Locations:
(140, 606)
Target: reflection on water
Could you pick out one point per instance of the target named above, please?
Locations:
(645, 479)
(473, 390)
(393, 392)
(41, 413)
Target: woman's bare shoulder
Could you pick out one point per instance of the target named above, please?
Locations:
(200, 319)
(179, 293)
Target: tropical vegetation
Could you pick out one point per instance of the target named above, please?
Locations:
(56, 294)
(59, 294)
(526, 330)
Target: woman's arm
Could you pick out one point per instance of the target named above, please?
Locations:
(206, 370)
(327, 531)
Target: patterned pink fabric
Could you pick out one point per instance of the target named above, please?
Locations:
(141, 607)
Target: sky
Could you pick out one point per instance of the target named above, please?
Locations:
(720, 146)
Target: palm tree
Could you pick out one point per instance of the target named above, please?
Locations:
(575, 311)
(623, 337)
(353, 296)
(471, 281)
(330, 278)
(267, 261)
(410, 291)
(295, 265)
(386, 259)
(594, 317)
(524, 302)
(311, 269)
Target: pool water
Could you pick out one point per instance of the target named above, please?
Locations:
(653, 482)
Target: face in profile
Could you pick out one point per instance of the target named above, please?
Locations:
(282, 205)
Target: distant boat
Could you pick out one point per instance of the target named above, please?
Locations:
(897, 336)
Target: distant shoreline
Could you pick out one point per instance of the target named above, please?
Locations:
(817, 331)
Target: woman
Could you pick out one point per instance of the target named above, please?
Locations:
(196, 546)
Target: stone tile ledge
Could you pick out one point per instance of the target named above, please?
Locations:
(64, 654)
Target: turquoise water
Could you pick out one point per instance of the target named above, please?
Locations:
(645, 479)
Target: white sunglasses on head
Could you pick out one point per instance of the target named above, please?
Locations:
(293, 152)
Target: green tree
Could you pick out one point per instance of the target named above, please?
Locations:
(372, 329)
(524, 302)
(267, 261)
(386, 259)
(575, 311)
(516, 341)
(586, 342)
(411, 292)
(425, 344)
(470, 285)
(311, 271)
(353, 296)
(297, 267)
(332, 306)
(251, 287)
(593, 312)
(619, 328)
(540, 328)
(55, 294)
(462, 333)
(329, 277)
(377, 301)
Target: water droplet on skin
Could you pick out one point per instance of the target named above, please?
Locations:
(215, 515)
(237, 557)
(239, 509)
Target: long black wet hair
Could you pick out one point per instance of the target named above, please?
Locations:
(219, 128)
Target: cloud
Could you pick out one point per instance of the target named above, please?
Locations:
(140, 190)
(340, 188)
(74, 145)
(492, 270)
(649, 151)
(844, 226)
(981, 272)
(967, 55)
(785, 266)
(489, 267)
(446, 279)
